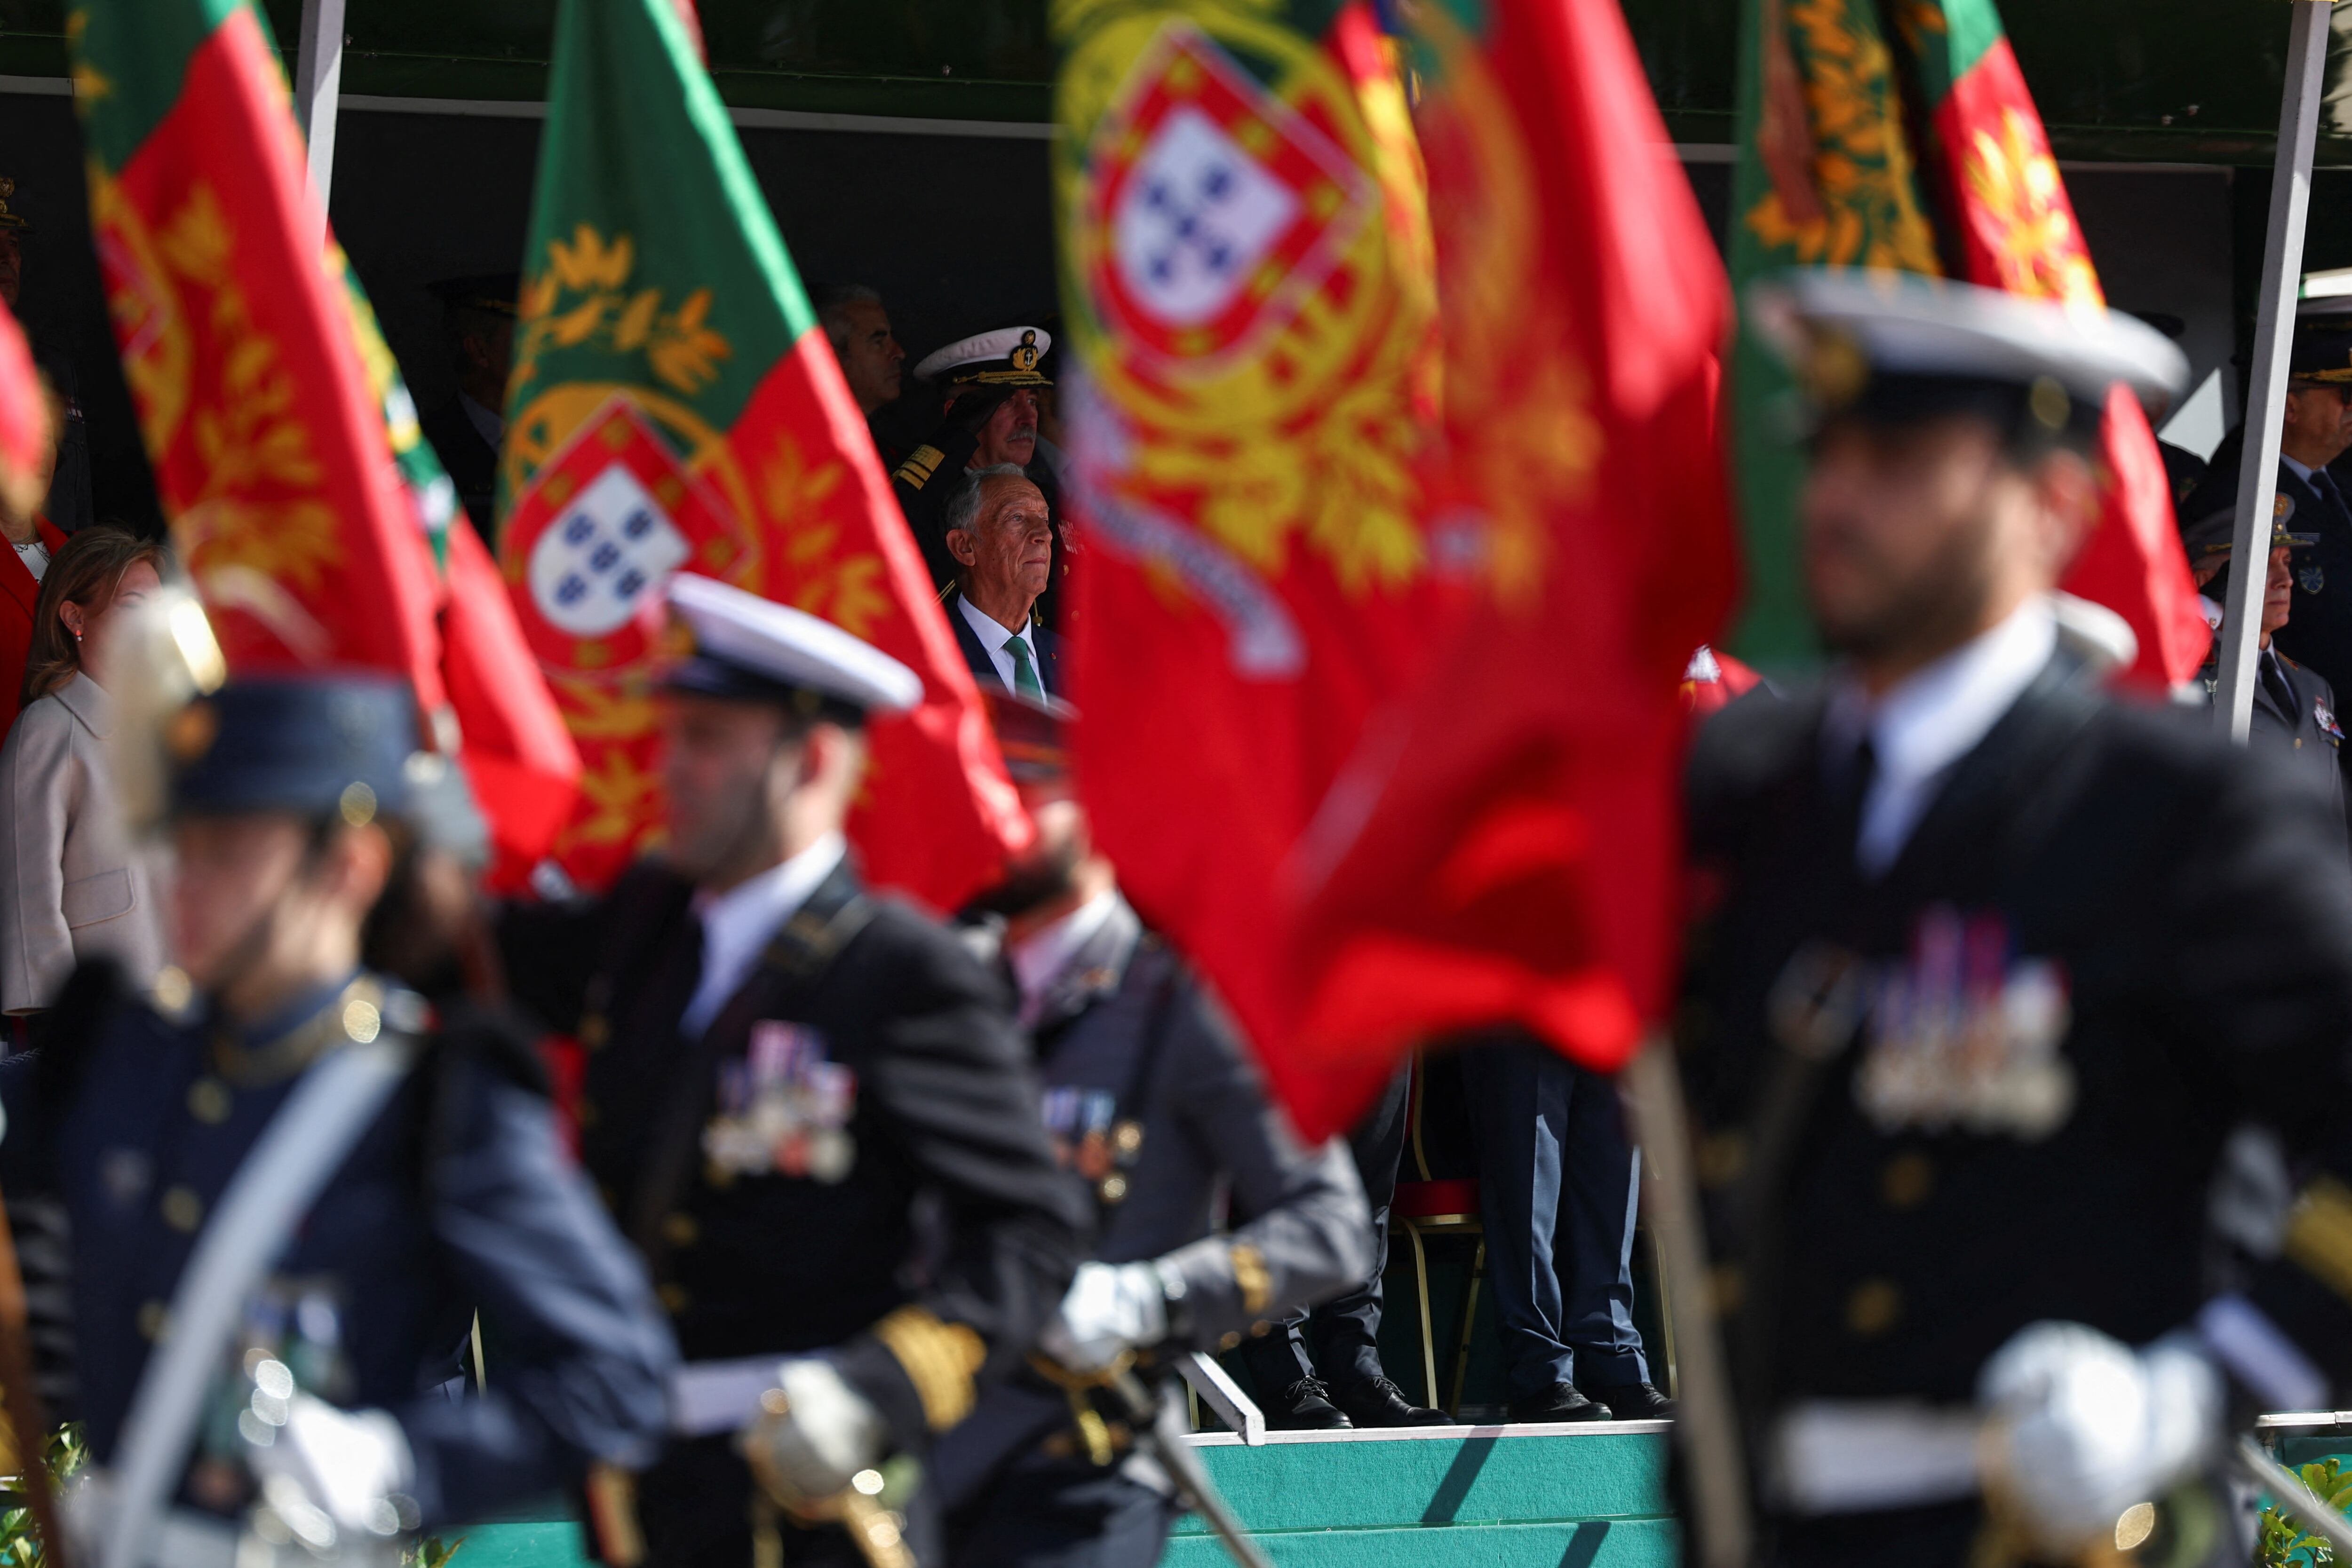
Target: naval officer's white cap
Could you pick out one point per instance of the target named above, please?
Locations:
(1007, 357)
(752, 649)
(1840, 328)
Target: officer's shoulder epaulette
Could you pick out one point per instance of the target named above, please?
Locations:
(495, 1039)
(920, 464)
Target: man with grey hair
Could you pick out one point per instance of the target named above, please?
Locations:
(858, 328)
(1000, 533)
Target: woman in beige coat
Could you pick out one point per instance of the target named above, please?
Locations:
(71, 886)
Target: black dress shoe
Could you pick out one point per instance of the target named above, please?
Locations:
(1304, 1406)
(1377, 1402)
(1560, 1402)
(1635, 1402)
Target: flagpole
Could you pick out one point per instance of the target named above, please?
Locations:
(318, 90)
(2266, 420)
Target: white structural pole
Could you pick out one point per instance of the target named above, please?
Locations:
(318, 90)
(2266, 391)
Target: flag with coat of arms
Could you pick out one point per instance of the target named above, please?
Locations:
(673, 406)
(315, 521)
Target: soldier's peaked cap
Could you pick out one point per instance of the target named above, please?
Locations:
(314, 746)
(2215, 533)
(1842, 330)
(749, 649)
(1007, 357)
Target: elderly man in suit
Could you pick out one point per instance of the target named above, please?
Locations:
(999, 532)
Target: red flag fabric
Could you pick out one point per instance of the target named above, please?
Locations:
(1252, 431)
(1507, 850)
(24, 419)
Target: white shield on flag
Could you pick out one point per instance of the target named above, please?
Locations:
(593, 566)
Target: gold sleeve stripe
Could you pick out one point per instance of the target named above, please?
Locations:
(919, 466)
(939, 1359)
(2319, 1234)
(1251, 1278)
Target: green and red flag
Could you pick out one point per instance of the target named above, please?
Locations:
(312, 517)
(2011, 226)
(1248, 296)
(1830, 104)
(673, 406)
(1508, 851)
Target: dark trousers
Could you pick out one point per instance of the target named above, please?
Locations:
(1061, 1513)
(1557, 1187)
(1342, 1337)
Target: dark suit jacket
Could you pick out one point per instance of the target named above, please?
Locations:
(2319, 633)
(471, 462)
(2188, 901)
(983, 664)
(944, 1122)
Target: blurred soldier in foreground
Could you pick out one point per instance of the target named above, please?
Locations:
(2295, 707)
(1155, 1107)
(293, 1183)
(2001, 980)
(810, 1109)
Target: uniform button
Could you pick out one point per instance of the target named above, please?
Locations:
(1258, 1329)
(1872, 1308)
(1228, 1341)
(680, 1230)
(1908, 1180)
(1727, 1286)
(208, 1101)
(183, 1209)
(673, 1298)
(1722, 1156)
(2298, 743)
(155, 1317)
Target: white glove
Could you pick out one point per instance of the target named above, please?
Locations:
(1111, 1309)
(825, 1433)
(2082, 1427)
(353, 1466)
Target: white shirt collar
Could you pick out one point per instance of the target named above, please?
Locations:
(1039, 958)
(737, 924)
(1933, 717)
(994, 637)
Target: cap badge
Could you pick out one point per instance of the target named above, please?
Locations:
(192, 731)
(1025, 356)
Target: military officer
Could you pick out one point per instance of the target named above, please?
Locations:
(809, 1106)
(2293, 707)
(1155, 1110)
(293, 1183)
(992, 383)
(1997, 978)
(477, 319)
(2318, 433)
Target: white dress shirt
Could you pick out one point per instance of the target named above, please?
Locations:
(738, 923)
(1930, 720)
(1039, 958)
(992, 637)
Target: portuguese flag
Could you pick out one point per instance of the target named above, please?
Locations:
(314, 518)
(1830, 104)
(674, 407)
(1248, 286)
(1509, 849)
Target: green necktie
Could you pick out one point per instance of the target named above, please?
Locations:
(1024, 674)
